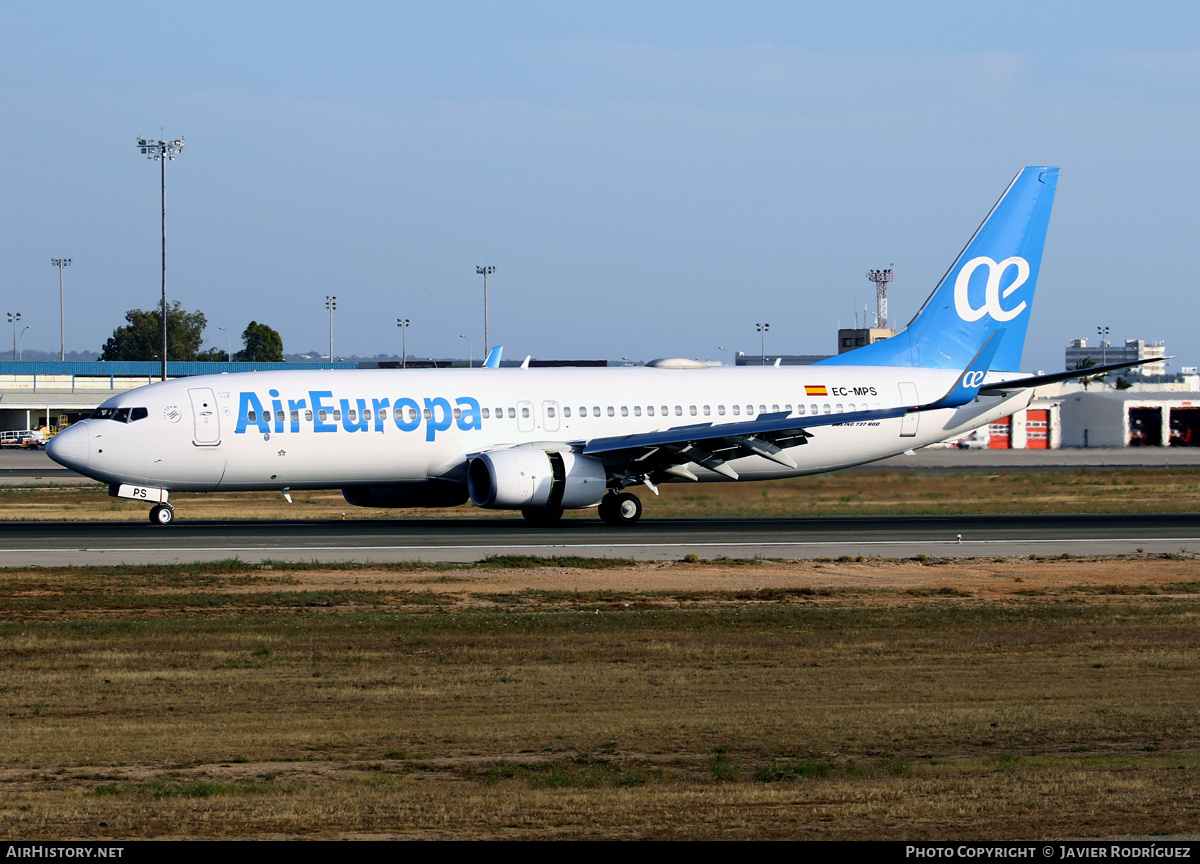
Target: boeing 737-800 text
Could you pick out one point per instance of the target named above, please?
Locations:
(544, 440)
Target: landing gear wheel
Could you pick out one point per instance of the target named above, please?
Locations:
(622, 509)
(162, 514)
(542, 515)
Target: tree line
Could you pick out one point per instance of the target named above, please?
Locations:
(141, 338)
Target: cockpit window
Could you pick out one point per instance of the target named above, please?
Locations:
(121, 415)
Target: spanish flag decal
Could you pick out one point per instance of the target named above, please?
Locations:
(815, 391)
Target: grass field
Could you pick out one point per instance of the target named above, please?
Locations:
(571, 698)
(851, 493)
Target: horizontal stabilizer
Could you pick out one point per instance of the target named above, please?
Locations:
(1000, 387)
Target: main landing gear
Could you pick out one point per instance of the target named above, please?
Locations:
(622, 508)
(162, 514)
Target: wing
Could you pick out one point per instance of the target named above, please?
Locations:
(714, 445)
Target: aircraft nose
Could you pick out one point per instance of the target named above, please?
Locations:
(70, 447)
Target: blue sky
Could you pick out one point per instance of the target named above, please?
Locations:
(649, 179)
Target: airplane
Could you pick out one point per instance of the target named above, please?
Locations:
(542, 441)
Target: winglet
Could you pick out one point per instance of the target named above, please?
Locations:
(525, 363)
(493, 358)
(967, 387)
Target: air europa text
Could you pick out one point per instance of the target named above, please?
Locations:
(323, 413)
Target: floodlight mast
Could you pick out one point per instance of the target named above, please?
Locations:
(485, 271)
(161, 151)
(60, 263)
(13, 318)
(331, 305)
(881, 278)
(403, 323)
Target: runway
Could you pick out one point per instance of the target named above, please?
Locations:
(461, 540)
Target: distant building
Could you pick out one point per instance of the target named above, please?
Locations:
(848, 340)
(1105, 352)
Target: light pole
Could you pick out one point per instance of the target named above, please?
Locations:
(1103, 332)
(485, 271)
(60, 263)
(13, 318)
(762, 329)
(728, 361)
(161, 151)
(21, 343)
(403, 323)
(331, 305)
(470, 351)
(228, 346)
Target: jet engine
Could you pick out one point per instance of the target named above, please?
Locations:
(528, 477)
(432, 494)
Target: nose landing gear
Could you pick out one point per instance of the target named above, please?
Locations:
(162, 514)
(620, 509)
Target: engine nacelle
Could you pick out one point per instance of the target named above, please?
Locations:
(531, 477)
(432, 494)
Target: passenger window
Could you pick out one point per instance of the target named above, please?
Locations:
(566, 411)
(428, 412)
(837, 409)
(775, 408)
(611, 412)
(749, 410)
(486, 413)
(692, 410)
(308, 414)
(813, 408)
(324, 416)
(457, 413)
(721, 410)
(707, 411)
(279, 416)
(367, 414)
(665, 412)
(649, 410)
(799, 409)
(549, 411)
(637, 410)
(737, 410)
(512, 413)
(525, 412)
(383, 413)
(337, 413)
(582, 410)
(678, 410)
(762, 409)
(825, 408)
(595, 410)
(624, 410)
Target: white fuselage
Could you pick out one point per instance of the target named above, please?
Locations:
(339, 428)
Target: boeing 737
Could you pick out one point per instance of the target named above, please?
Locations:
(545, 440)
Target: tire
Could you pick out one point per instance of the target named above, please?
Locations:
(623, 509)
(542, 515)
(162, 514)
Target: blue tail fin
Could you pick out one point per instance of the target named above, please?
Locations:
(989, 287)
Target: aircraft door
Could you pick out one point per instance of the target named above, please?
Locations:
(550, 416)
(525, 418)
(205, 417)
(908, 398)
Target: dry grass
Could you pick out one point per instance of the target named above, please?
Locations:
(767, 699)
(848, 493)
